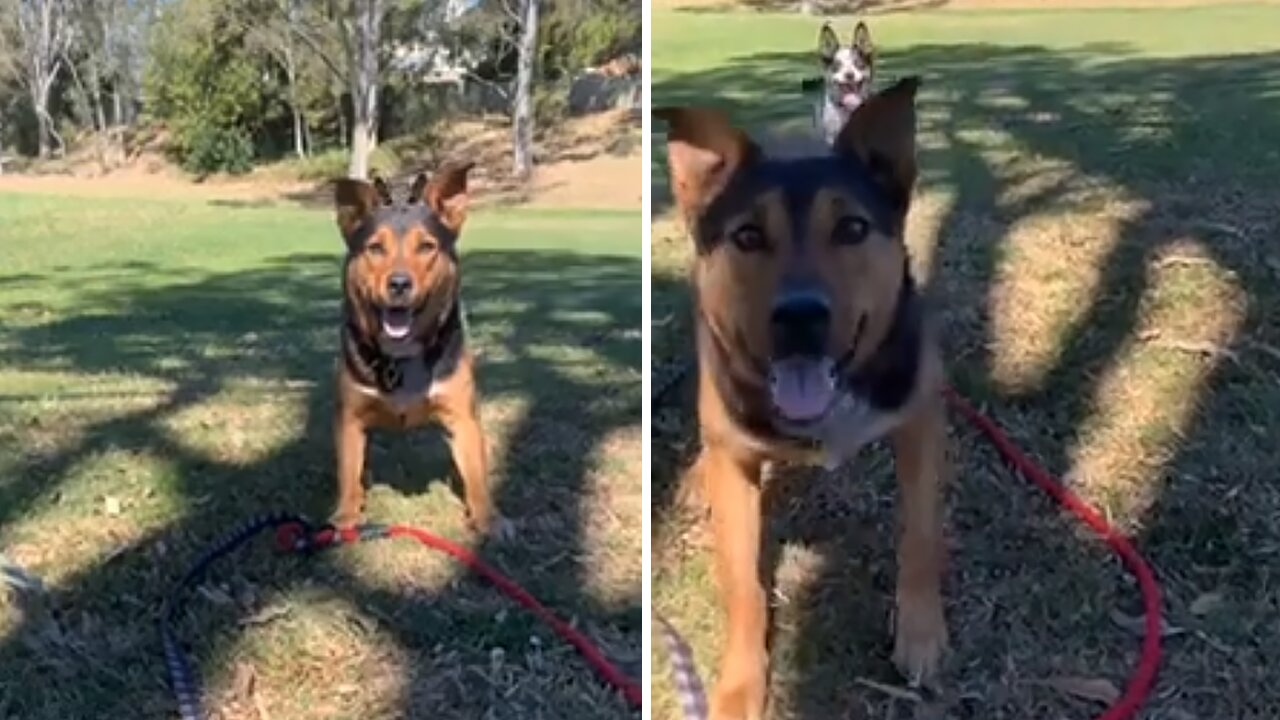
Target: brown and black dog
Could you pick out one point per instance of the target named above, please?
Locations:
(404, 360)
(812, 341)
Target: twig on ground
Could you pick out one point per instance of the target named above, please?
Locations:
(1222, 228)
(1186, 260)
(890, 690)
(1197, 347)
(1264, 348)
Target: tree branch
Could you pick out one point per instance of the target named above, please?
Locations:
(311, 43)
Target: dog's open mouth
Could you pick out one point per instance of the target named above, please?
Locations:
(851, 94)
(397, 322)
(803, 389)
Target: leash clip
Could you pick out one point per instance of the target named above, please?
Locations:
(302, 538)
(368, 531)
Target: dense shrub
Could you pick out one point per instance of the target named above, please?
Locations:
(209, 149)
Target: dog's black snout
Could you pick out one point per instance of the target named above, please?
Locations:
(800, 326)
(399, 285)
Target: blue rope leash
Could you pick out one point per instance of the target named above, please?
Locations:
(182, 676)
(294, 534)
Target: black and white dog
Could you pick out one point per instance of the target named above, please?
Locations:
(846, 78)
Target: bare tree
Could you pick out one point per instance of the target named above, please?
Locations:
(41, 37)
(522, 114)
(289, 59)
(360, 31)
(361, 34)
(277, 35)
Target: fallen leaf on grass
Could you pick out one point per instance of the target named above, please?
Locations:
(18, 578)
(1096, 689)
(890, 690)
(1206, 603)
(245, 680)
(1137, 624)
(215, 595)
(266, 615)
(246, 691)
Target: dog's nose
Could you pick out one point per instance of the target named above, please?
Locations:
(399, 285)
(800, 325)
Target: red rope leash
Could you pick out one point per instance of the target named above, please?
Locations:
(594, 657)
(611, 674)
(1143, 678)
(689, 687)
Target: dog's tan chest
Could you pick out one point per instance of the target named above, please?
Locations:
(410, 405)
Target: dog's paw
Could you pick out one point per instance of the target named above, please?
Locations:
(494, 526)
(502, 529)
(921, 640)
(344, 518)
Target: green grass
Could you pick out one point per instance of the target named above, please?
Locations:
(165, 370)
(1097, 226)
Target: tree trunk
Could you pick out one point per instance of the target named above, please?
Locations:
(42, 135)
(44, 122)
(291, 73)
(364, 85)
(344, 137)
(523, 115)
(299, 143)
(43, 40)
(299, 134)
(95, 97)
(361, 147)
(307, 145)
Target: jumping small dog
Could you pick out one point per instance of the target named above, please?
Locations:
(847, 74)
(812, 340)
(404, 359)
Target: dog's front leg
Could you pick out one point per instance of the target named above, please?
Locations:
(470, 456)
(920, 455)
(733, 491)
(350, 440)
(460, 416)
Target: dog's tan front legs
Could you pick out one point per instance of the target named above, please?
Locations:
(733, 493)
(461, 422)
(920, 455)
(350, 439)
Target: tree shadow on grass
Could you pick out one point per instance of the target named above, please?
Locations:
(1173, 159)
(213, 347)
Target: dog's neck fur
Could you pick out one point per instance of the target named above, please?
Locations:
(407, 370)
(830, 116)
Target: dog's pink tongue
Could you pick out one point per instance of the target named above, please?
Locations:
(851, 100)
(801, 389)
(397, 323)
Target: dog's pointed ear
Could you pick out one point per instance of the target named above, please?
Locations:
(704, 150)
(881, 134)
(383, 190)
(862, 39)
(354, 201)
(446, 193)
(828, 44)
(417, 193)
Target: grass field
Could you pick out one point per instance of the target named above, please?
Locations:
(1099, 230)
(165, 372)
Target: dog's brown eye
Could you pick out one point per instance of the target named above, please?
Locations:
(426, 248)
(850, 230)
(749, 238)
(377, 249)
